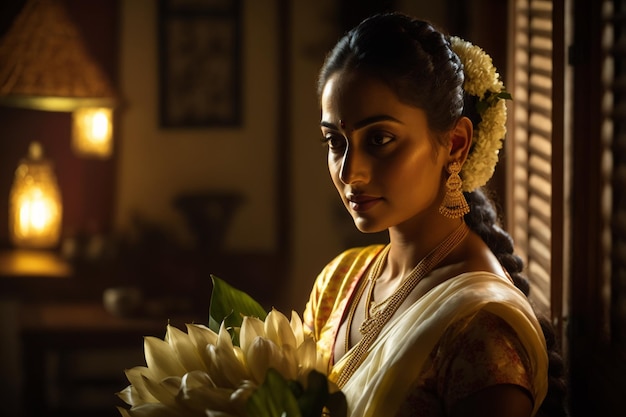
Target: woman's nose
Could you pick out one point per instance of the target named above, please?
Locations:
(354, 167)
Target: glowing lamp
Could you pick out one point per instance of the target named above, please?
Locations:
(45, 64)
(35, 208)
(92, 131)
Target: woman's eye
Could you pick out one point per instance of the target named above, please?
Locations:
(380, 139)
(334, 141)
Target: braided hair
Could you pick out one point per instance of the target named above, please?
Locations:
(416, 61)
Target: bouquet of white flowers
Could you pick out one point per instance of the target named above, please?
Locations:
(247, 363)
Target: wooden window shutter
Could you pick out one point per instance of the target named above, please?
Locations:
(536, 154)
(597, 326)
(614, 155)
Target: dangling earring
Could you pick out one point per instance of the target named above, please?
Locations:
(454, 204)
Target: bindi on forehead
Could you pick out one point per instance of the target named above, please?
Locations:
(343, 125)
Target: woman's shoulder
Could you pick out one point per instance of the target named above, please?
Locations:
(477, 256)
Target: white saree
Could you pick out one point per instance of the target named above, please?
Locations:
(395, 360)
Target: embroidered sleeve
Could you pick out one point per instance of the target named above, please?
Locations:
(479, 352)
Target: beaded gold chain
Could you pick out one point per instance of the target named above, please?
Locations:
(371, 307)
(372, 325)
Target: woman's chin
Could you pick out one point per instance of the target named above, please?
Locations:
(367, 226)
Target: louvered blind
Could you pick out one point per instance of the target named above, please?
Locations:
(614, 153)
(532, 143)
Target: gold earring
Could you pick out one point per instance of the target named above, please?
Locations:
(454, 204)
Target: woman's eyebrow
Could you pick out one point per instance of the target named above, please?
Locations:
(375, 119)
(362, 123)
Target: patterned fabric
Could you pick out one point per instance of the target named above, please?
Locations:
(466, 334)
(331, 292)
(475, 353)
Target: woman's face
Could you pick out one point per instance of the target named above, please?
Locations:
(381, 155)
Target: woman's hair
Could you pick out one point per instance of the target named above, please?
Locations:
(416, 61)
(411, 57)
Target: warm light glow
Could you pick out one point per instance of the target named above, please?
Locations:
(99, 127)
(92, 132)
(36, 212)
(35, 205)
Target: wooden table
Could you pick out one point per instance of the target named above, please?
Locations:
(74, 334)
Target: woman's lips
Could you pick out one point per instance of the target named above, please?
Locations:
(363, 202)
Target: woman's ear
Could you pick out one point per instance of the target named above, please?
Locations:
(461, 140)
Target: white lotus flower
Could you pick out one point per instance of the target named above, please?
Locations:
(201, 373)
(281, 344)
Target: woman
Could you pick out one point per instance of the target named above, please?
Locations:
(431, 324)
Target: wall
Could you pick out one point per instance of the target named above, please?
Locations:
(156, 164)
(314, 239)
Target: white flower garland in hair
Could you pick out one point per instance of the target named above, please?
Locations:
(483, 81)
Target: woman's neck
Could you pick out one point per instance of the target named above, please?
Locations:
(410, 243)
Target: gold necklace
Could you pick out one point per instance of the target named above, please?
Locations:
(372, 325)
(376, 307)
(371, 307)
(372, 275)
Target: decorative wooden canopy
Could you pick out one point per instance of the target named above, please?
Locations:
(45, 64)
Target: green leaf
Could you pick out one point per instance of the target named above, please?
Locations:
(213, 324)
(230, 305)
(257, 404)
(491, 99)
(273, 398)
(312, 401)
(481, 106)
(505, 95)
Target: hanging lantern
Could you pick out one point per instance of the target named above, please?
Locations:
(92, 131)
(35, 207)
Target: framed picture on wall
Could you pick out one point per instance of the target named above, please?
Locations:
(199, 63)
